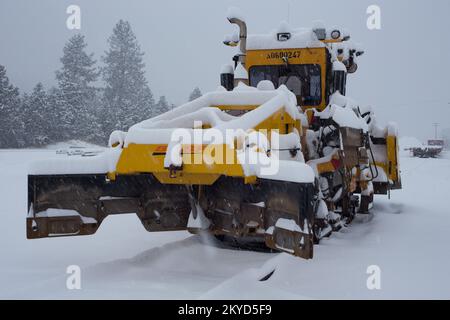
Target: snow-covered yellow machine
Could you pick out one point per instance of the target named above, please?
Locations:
(277, 155)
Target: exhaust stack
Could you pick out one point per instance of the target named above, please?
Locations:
(235, 17)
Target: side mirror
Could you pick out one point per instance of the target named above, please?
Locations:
(227, 81)
(339, 81)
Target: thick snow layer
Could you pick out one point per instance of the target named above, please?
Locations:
(300, 38)
(102, 163)
(343, 101)
(142, 265)
(183, 125)
(240, 72)
(200, 222)
(257, 139)
(63, 213)
(117, 138)
(392, 129)
(73, 144)
(322, 210)
(227, 68)
(377, 131)
(206, 115)
(286, 224)
(291, 171)
(265, 85)
(286, 141)
(242, 87)
(344, 117)
(258, 164)
(231, 38)
(284, 144)
(161, 128)
(339, 66)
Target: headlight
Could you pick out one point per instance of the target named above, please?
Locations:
(335, 34)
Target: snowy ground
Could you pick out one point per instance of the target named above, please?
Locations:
(407, 238)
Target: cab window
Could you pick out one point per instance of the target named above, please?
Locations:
(304, 80)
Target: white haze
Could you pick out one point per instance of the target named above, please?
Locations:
(404, 74)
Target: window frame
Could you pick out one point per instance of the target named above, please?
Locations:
(311, 102)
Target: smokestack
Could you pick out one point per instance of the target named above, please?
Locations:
(235, 17)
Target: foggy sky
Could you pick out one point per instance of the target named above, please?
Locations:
(403, 75)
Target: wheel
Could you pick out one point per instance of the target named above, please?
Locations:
(365, 204)
(321, 229)
(317, 234)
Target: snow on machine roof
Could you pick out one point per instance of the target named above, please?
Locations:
(299, 38)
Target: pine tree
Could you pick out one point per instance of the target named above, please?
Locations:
(57, 111)
(37, 117)
(75, 81)
(196, 93)
(96, 130)
(11, 126)
(161, 107)
(127, 96)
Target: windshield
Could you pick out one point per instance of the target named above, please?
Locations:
(302, 79)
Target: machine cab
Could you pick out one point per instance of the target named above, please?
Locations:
(312, 63)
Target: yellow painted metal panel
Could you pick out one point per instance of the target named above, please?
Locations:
(392, 158)
(142, 158)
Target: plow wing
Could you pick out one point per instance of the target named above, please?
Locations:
(71, 205)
